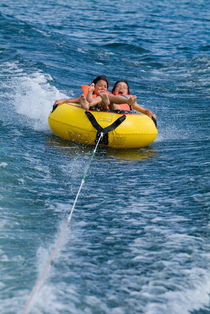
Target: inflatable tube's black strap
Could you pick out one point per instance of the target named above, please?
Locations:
(155, 121)
(115, 124)
(105, 131)
(93, 121)
(54, 107)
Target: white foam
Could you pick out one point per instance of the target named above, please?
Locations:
(34, 97)
(3, 164)
(192, 299)
(30, 95)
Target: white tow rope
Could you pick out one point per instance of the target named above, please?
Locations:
(59, 240)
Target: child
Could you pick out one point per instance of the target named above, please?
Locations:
(122, 88)
(90, 96)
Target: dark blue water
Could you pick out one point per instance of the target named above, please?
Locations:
(139, 239)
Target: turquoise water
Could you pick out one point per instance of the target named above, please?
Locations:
(138, 241)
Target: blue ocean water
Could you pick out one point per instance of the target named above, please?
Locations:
(139, 239)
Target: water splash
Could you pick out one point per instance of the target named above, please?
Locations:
(31, 95)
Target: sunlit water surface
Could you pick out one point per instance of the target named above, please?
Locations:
(138, 241)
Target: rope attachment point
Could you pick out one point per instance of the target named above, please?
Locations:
(104, 138)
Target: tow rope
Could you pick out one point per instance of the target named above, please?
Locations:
(59, 240)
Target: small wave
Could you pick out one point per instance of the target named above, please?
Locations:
(3, 164)
(129, 47)
(187, 300)
(31, 95)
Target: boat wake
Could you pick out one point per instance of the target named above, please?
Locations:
(31, 95)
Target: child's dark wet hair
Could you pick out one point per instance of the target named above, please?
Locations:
(121, 81)
(103, 78)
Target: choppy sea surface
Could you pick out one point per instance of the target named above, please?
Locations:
(139, 238)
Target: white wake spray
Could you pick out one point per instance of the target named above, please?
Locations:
(34, 97)
(28, 94)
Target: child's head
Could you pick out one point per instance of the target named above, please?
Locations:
(121, 88)
(101, 83)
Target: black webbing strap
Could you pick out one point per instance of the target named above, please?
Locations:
(155, 121)
(105, 131)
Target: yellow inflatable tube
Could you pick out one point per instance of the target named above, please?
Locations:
(71, 122)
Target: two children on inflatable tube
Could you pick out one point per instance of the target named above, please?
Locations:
(97, 96)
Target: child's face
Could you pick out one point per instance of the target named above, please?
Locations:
(121, 89)
(100, 86)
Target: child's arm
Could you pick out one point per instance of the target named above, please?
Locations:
(144, 110)
(71, 100)
(118, 99)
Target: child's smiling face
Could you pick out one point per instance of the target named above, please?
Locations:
(121, 89)
(100, 86)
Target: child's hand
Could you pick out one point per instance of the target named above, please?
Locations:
(150, 113)
(58, 102)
